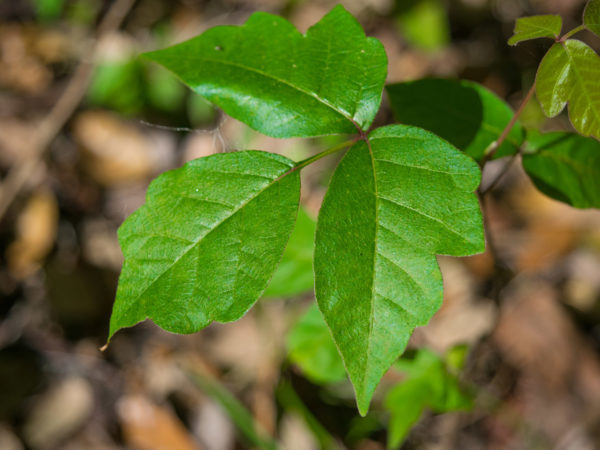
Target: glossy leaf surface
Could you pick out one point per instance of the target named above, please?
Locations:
(591, 16)
(569, 73)
(391, 207)
(206, 242)
(311, 347)
(464, 113)
(534, 27)
(428, 384)
(294, 275)
(282, 83)
(565, 166)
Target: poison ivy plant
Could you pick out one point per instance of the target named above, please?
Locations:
(211, 234)
(569, 73)
(415, 195)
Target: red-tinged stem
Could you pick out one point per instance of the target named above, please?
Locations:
(494, 146)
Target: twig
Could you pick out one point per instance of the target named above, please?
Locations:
(494, 146)
(503, 172)
(51, 125)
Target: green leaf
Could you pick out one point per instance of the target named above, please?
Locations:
(311, 347)
(464, 113)
(118, 85)
(391, 207)
(428, 384)
(48, 10)
(565, 166)
(295, 272)
(424, 23)
(206, 242)
(243, 419)
(282, 83)
(569, 73)
(591, 16)
(534, 27)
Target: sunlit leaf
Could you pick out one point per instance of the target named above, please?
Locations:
(569, 73)
(428, 384)
(534, 27)
(392, 205)
(282, 83)
(565, 166)
(294, 275)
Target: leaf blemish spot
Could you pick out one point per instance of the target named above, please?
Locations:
(218, 48)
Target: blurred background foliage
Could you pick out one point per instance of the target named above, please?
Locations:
(511, 360)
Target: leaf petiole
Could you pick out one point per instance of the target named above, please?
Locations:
(336, 148)
(571, 33)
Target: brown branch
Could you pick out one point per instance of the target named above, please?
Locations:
(16, 180)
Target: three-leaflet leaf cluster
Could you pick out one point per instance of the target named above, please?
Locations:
(211, 233)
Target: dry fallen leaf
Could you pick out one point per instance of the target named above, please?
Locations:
(147, 426)
(36, 230)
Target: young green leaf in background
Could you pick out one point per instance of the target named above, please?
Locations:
(268, 75)
(428, 384)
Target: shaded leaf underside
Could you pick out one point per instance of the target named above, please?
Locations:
(390, 208)
(466, 114)
(566, 167)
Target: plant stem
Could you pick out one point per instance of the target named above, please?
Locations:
(503, 172)
(571, 33)
(494, 146)
(329, 151)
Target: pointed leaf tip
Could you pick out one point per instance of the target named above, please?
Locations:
(206, 242)
(534, 27)
(383, 220)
